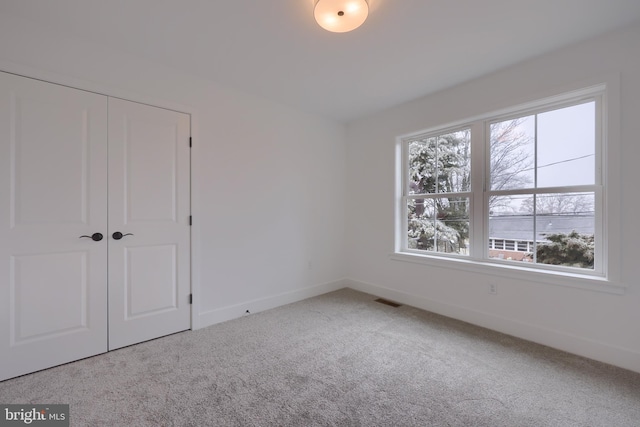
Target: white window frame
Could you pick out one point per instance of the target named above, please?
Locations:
(597, 96)
(405, 185)
(605, 275)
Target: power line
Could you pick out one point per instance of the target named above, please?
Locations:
(561, 161)
(565, 161)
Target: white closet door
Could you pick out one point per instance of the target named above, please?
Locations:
(53, 170)
(149, 203)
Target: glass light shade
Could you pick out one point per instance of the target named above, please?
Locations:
(340, 16)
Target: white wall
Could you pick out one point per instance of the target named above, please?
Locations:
(599, 325)
(268, 181)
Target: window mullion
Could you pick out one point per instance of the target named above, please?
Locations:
(478, 235)
(601, 238)
(535, 185)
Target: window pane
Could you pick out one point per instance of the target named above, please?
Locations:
(512, 147)
(565, 204)
(440, 164)
(422, 166)
(453, 235)
(511, 228)
(421, 224)
(439, 225)
(454, 162)
(565, 226)
(566, 146)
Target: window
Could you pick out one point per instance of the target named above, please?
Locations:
(522, 186)
(439, 169)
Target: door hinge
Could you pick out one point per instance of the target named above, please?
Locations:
(190, 142)
(190, 220)
(190, 298)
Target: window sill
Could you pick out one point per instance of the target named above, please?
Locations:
(575, 280)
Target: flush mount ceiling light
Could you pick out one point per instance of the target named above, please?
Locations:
(340, 16)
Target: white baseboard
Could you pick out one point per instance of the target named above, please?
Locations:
(223, 314)
(603, 352)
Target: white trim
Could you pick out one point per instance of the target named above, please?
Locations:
(230, 312)
(196, 225)
(400, 207)
(597, 350)
(514, 271)
(611, 156)
(438, 195)
(478, 221)
(545, 190)
(90, 86)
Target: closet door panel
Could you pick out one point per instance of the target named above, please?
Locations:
(53, 166)
(149, 204)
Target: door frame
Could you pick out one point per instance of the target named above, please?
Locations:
(115, 92)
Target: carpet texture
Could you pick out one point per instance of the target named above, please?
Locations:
(340, 359)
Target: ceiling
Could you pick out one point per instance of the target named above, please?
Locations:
(274, 48)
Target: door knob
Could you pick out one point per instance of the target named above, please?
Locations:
(96, 237)
(118, 235)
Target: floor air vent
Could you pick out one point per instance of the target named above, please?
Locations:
(387, 302)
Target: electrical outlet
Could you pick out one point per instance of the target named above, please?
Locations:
(493, 289)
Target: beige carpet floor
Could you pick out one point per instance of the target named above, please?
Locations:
(340, 359)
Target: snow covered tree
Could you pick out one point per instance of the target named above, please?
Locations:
(576, 204)
(572, 249)
(439, 165)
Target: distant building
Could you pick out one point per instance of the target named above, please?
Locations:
(512, 236)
